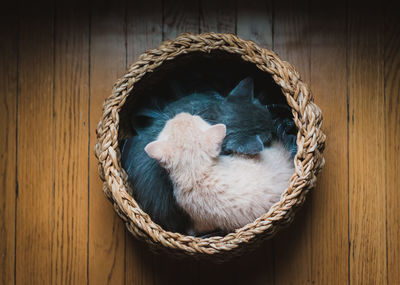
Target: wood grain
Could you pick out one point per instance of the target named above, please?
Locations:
(58, 63)
(35, 203)
(107, 64)
(71, 140)
(144, 31)
(392, 122)
(367, 170)
(255, 22)
(180, 16)
(217, 16)
(293, 246)
(8, 149)
(144, 24)
(328, 84)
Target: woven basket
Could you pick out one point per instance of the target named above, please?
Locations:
(308, 160)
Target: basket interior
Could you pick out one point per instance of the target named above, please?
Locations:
(230, 68)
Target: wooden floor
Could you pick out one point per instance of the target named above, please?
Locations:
(58, 63)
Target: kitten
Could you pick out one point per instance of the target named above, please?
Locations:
(250, 123)
(249, 129)
(218, 192)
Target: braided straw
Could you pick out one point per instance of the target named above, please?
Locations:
(308, 160)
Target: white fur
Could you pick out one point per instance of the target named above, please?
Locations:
(219, 192)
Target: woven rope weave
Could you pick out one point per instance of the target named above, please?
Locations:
(308, 160)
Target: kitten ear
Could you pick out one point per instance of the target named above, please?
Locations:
(243, 91)
(216, 133)
(157, 149)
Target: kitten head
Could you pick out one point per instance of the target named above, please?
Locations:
(186, 139)
(250, 123)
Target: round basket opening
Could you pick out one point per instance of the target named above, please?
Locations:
(215, 66)
(211, 55)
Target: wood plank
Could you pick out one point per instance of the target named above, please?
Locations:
(293, 246)
(217, 16)
(71, 140)
(8, 126)
(254, 21)
(255, 267)
(180, 16)
(367, 205)
(392, 93)
(328, 84)
(107, 64)
(35, 203)
(144, 24)
(51, 215)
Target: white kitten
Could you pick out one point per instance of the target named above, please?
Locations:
(219, 192)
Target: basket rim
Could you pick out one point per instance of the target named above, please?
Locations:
(308, 160)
